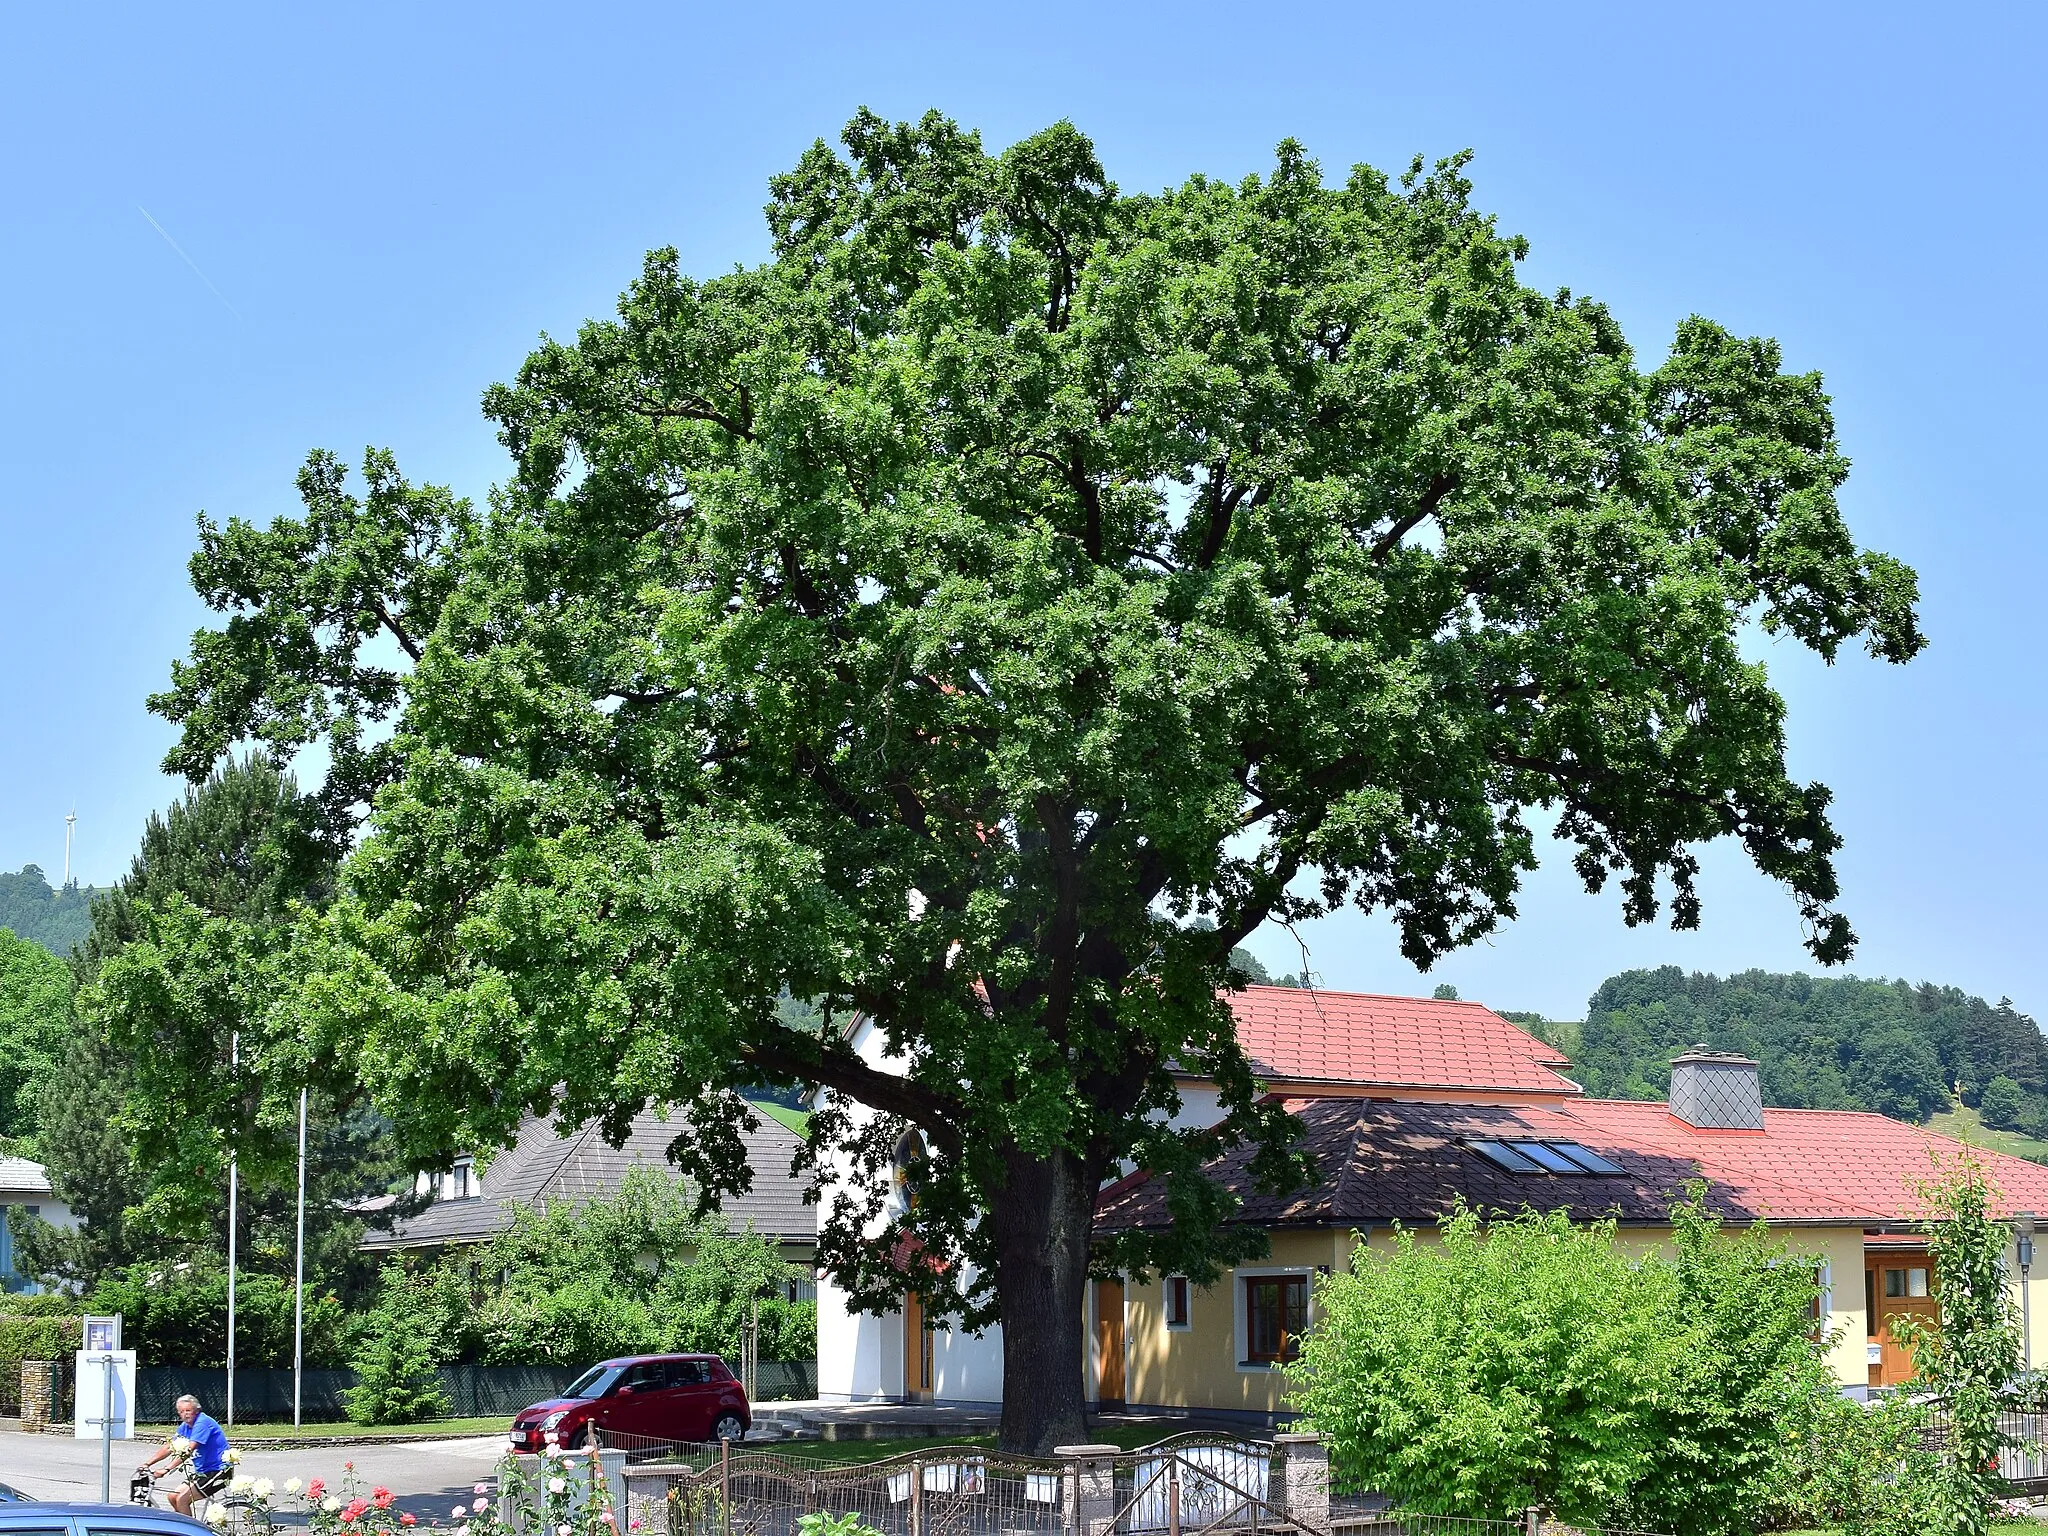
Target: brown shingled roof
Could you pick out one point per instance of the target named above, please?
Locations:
(1382, 1160)
(541, 1166)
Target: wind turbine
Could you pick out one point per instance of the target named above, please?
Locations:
(70, 822)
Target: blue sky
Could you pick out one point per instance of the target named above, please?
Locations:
(380, 209)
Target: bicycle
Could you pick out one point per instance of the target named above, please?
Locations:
(243, 1517)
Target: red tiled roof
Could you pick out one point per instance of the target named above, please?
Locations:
(1294, 1035)
(1849, 1161)
(1385, 1160)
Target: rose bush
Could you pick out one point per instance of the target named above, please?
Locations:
(565, 1496)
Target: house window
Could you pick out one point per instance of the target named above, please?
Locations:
(461, 1181)
(1275, 1317)
(1907, 1284)
(1177, 1302)
(1505, 1157)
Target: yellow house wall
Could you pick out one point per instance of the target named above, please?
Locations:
(1198, 1367)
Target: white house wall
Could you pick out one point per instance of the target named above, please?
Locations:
(861, 1357)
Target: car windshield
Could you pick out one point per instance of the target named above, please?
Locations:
(594, 1382)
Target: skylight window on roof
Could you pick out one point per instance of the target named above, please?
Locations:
(1505, 1157)
(1587, 1159)
(1548, 1158)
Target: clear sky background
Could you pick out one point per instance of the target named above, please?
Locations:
(378, 209)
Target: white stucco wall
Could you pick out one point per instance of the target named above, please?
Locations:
(861, 1358)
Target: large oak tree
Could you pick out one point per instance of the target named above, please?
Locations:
(942, 617)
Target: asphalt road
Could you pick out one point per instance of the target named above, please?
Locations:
(428, 1476)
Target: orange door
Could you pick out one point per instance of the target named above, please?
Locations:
(1109, 1340)
(1905, 1288)
(917, 1351)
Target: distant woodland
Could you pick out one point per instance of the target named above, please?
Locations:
(56, 918)
(1823, 1043)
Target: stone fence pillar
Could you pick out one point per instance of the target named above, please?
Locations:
(1088, 1488)
(38, 1393)
(1298, 1487)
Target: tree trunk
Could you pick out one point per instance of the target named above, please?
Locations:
(1043, 1217)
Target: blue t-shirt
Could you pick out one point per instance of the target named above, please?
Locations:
(209, 1443)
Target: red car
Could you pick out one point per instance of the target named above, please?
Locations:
(664, 1397)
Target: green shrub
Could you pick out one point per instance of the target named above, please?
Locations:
(822, 1524)
(41, 1304)
(178, 1315)
(633, 1272)
(36, 1338)
(1859, 1469)
(396, 1380)
(1967, 1361)
(1529, 1361)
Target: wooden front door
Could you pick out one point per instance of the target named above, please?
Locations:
(1109, 1341)
(1901, 1285)
(917, 1352)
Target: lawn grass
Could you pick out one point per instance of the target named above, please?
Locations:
(1965, 1124)
(497, 1424)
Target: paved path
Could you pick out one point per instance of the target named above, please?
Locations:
(427, 1475)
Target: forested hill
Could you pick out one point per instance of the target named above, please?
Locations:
(1823, 1043)
(55, 919)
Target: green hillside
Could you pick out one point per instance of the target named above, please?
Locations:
(55, 919)
(1965, 1124)
(1822, 1043)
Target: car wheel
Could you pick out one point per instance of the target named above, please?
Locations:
(586, 1438)
(730, 1426)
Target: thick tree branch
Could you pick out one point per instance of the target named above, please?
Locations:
(1432, 498)
(940, 1115)
(699, 409)
(405, 641)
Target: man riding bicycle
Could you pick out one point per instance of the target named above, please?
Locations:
(206, 1443)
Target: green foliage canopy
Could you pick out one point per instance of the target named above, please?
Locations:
(1531, 1361)
(137, 1118)
(936, 619)
(35, 1028)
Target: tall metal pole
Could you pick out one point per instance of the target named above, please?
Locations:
(107, 1428)
(299, 1284)
(234, 1192)
(70, 822)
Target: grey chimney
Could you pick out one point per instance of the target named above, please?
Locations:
(1716, 1091)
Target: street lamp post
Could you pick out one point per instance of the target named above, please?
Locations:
(2024, 1249)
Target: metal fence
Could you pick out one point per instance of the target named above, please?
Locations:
(1192, 1485)
(2023, 1460)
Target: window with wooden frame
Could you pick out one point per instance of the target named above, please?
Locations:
(1177, 1303)
(1275, 1317)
